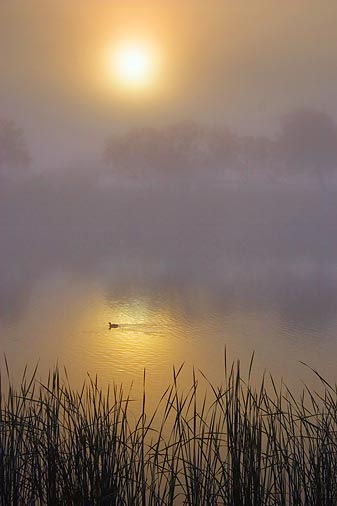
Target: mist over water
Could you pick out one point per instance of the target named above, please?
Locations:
(199, 216)
(186, 270)
(168, 252)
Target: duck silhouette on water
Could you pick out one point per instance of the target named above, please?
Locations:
(113, 325)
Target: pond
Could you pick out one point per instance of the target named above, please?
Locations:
(188, 276)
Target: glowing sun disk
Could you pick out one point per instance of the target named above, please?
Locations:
(134, 65)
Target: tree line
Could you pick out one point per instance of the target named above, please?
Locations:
(305, 145)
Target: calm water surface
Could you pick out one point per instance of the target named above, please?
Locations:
(284, 321)
(200, 275)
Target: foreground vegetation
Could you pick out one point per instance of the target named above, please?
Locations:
(235, 445)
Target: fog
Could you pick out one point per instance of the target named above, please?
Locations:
(235, 64)
(251, 241)
(179, 205)
(213, 191)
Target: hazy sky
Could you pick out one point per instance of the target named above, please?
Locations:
(240, 62)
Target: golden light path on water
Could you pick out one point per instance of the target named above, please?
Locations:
(66, 321)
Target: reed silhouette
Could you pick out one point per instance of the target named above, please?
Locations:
(232, 445)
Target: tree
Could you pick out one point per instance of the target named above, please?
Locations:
(185, 149)
(308, 143)
(13, 150)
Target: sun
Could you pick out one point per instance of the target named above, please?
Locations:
(134, 65)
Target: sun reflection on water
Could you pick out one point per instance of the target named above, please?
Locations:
(66, 321)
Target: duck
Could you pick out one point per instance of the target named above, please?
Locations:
(113, 325)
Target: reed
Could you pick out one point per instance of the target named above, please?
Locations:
(233, 444)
